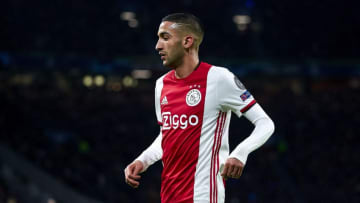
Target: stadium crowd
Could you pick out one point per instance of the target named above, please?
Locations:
(86, 136)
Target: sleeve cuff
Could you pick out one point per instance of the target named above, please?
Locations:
(146, 165)
(242, 156)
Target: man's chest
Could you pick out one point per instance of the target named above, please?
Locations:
(182, 105)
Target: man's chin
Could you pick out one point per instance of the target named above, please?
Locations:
(166, 64)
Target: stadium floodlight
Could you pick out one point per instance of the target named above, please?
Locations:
(128, 81)
(87, 81)
(127, 15)
(241, 19)
(133, 23)
(141, 74)
(242, 27)
(99, 80)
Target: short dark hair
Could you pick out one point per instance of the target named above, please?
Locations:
(189, 21)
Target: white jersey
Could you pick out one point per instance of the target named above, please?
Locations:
(194, 114)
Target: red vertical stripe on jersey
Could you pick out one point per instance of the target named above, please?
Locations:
(214, 161)
(217, 152)
(214, 168)
(218, 149)
(212, 158)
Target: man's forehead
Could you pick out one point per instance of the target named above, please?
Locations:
(167, 26)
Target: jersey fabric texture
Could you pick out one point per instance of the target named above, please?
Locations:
(194, 115)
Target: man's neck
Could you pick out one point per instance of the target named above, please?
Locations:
(187, 67)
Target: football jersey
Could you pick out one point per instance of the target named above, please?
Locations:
(194, 114)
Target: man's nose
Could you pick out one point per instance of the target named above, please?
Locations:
(158, 46)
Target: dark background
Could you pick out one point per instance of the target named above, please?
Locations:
(300, 60)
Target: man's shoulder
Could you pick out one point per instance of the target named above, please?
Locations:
(161, 78)
(218, 68)
(220, 72)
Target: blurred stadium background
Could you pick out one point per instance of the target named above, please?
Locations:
(76, 96)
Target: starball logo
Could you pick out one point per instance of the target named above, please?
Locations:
(178, 121)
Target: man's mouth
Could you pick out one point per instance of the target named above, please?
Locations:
(162, 55)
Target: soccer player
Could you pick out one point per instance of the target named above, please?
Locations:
(193, 103)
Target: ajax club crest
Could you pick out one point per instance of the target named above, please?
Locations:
(193, 97)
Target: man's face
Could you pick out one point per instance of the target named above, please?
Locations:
(170, 45)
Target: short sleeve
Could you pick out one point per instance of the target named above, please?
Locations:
(232, 93)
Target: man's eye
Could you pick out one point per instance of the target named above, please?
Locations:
(166, 37)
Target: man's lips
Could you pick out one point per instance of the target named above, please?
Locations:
(162, 56)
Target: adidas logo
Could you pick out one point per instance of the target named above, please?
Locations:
(164, 101)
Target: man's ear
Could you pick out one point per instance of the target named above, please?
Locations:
(188, 41)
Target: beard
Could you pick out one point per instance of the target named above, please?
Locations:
(175, 59)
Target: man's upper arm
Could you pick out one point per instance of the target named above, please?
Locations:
(232, 93)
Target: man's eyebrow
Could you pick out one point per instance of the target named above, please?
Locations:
(161, 34)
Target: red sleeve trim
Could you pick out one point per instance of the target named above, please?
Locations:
(160, 123)
(247, 107)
